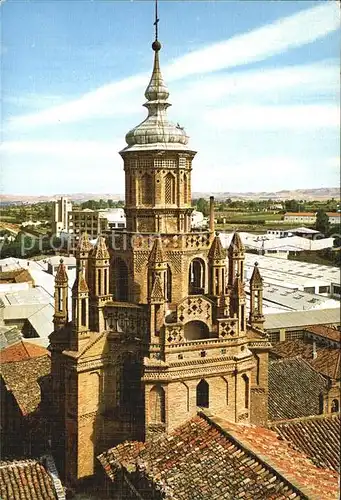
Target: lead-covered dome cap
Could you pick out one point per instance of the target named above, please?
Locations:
(156, 128)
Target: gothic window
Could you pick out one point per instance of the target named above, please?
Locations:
(242, 317)
(169, 189)
(157, 404)
(121, 280)
(246, 390)
(146, 189)
(257, 368)
(196, 277)
(335, 406)
(227, 393)
(203, 394)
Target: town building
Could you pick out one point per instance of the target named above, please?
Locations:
(159, 325)
(60, 215)
(310, 217)
(86, 221)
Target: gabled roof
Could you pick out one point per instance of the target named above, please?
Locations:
(61, 275)
(324, 331)
(80, 284)
(317, 436)
(156, 255)
(327, 362)
(217, 251)
(236, 245)
(256, 278)
(22, 351)
(84, 245)
(100, 250)
(220, 460)
(295, 389)
(25, 480)
(22, 379)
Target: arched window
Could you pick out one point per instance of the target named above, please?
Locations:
(169, 189)
(203, 394)
(157, 404)
(196, 330)
(196, 277)
(335, 407)
(120, 280)
(246, 390)
(168, 284)
(146, 189)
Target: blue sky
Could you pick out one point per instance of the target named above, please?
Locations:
(256, 85)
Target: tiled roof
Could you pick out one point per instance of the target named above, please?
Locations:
(295, 389)
(16, 276)
(22, 351)
(218, 460)
(318, 437)
(25, 480)
(324, 331)
(22, 379)
(327, 361)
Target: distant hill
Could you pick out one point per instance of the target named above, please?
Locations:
(296, 194)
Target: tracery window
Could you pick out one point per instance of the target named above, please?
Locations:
(169, 189)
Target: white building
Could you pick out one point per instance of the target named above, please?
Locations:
(115, 216)
(60, 211)
(198, 221)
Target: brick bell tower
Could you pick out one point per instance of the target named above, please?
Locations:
(158, 325)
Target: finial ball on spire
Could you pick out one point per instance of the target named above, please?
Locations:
(156, 46)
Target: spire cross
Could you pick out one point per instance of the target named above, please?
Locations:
(156, 21)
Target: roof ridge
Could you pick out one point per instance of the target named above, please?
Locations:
(308, 418)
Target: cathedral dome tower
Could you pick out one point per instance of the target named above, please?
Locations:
(157, 164)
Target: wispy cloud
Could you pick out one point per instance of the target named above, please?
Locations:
(286, 33)
(257, 45)
(275, 117)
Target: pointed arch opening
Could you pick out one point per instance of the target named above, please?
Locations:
(203, 394)
(146, 189)
(120, 280)
(196, 277)
(157, 405)
(170, 189)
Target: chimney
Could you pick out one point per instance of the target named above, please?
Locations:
(314, 350)
(211, 214)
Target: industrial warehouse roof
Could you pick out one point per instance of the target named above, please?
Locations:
(295, 319)
(303, 270)
(217, 459)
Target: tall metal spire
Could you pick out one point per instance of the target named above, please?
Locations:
(156, 22)
(156, 131)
